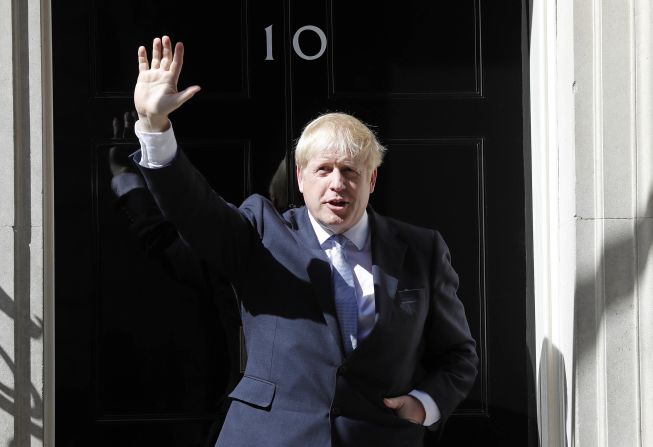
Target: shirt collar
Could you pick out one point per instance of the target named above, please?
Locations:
(358, 234)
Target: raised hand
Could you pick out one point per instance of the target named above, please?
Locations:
(156, 95)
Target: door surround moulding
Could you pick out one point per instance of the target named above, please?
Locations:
(553, 235)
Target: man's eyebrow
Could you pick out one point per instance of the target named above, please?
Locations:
(351, 164)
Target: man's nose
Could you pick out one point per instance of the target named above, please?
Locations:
(337, 183)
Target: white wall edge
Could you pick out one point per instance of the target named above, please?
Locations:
(552, 144)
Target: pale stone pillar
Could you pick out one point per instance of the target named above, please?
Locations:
(592, 177)
(7, 308)
(612, 62)
(643, 52)
(25, 162)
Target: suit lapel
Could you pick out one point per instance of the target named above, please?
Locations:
(388, 253)
(319, 272)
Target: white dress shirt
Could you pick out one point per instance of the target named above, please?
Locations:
(159, 148)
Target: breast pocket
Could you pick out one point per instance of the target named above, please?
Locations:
(255, 392)
(408, 300)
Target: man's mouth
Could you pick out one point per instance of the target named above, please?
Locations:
(337, 203)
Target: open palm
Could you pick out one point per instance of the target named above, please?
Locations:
(156, 94)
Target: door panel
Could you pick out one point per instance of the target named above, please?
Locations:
(411, 49)
(141, 358)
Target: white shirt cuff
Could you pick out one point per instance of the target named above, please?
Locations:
(430, 407)
(157, 148)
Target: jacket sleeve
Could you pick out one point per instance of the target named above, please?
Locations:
(161, 242)
(217, 231)
(450, 357)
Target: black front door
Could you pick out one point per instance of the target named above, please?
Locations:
(141, 357)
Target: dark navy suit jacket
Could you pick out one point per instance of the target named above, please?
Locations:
(298, 389)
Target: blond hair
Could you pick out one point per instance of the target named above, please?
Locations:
(341, 134)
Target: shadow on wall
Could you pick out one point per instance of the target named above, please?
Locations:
(615, 262)
(587, 324)
(10, 396)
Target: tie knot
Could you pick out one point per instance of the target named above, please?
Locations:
(340, 240)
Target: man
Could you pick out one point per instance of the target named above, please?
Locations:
(354, 333)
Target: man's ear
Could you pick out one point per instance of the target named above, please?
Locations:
(373, 180)
(298, 172)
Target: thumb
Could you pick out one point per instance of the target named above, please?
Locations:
(186, 94)
(393, 402)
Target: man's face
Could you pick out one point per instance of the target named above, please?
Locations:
(336, 189)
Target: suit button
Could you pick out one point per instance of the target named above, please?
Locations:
(335, 411)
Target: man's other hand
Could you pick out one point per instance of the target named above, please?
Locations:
(123, 131)
(156, 95)
(407, 407)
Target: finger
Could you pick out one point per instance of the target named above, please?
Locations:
(116, 127)
(126, 122)
(167, 53)
(186, 94)
(393, 403)
(178, 60)
(156, 53)
(142, 59)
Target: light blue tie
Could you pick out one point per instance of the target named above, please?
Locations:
(345, 294)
